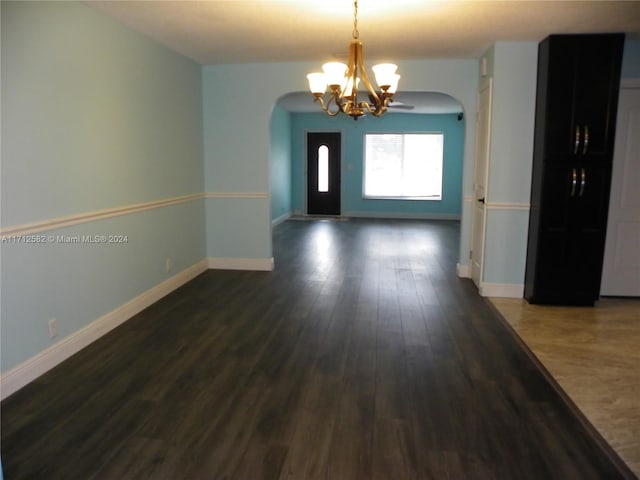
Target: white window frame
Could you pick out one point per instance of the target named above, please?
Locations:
(439, 168)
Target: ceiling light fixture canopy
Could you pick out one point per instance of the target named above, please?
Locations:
(343, 82)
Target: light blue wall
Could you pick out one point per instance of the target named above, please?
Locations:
(352, 162)
(97, 115)
(512, 122)
(280, 164)
(237, 145)
(513, 67)
(94, 116)
(237, 149)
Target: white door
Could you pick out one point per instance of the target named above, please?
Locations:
(621, 268)
(481, 168)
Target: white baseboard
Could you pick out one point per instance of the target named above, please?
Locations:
(403, 215)
(502, 290)
(280, 219)
(464, 271)
(19, 376)
(258, 264)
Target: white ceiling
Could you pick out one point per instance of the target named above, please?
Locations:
(244, 31)
(248, 31)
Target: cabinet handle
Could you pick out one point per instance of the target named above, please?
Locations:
(583, 181)
(585, 143)
(574, 181)
(577, 143)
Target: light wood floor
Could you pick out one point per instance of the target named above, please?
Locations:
(594, 354)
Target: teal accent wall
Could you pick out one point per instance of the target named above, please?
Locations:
(352, 162)
(94, 117)
(280, 161)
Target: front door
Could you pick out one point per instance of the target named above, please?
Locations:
(323, 173)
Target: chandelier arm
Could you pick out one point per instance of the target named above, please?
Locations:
(326, 107)
(338, 101)
(367, 106)
(386, 99)
(381, 109)
(378, 109)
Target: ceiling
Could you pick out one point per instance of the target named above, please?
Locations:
(250, 31)
(247, 31)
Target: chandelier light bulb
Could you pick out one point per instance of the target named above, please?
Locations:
(334, 72)
(317, 83)
(394, 84)
(385, 74)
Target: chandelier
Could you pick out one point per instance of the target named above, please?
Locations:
(343, 82)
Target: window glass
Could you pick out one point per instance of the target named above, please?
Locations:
(404, 165)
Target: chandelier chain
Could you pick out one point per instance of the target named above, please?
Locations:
(356, 33)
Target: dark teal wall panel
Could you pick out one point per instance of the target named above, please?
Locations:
(353, 133)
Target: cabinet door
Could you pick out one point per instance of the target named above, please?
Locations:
(572, 226)
(560, 78)
(589, 222)
(582, 86)
(555, 258)
(597, 85)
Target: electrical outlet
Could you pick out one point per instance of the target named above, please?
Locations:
(169, 264)
(53, 328)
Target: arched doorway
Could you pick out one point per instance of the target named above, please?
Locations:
(295, 115)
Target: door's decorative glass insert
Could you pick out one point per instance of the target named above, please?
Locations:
(323, 168)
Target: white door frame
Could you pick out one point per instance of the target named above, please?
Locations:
(480, 183)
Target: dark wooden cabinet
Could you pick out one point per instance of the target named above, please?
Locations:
(576, 105)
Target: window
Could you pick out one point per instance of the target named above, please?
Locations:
(404, 166)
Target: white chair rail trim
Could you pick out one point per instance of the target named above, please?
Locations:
(88, 217)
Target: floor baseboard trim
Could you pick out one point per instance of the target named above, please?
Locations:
(19, 376)
(403, 215)
(464, 271)
(503, 290)
(281, 219)
(257, 264)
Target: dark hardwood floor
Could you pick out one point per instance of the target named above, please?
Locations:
(362, 356)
